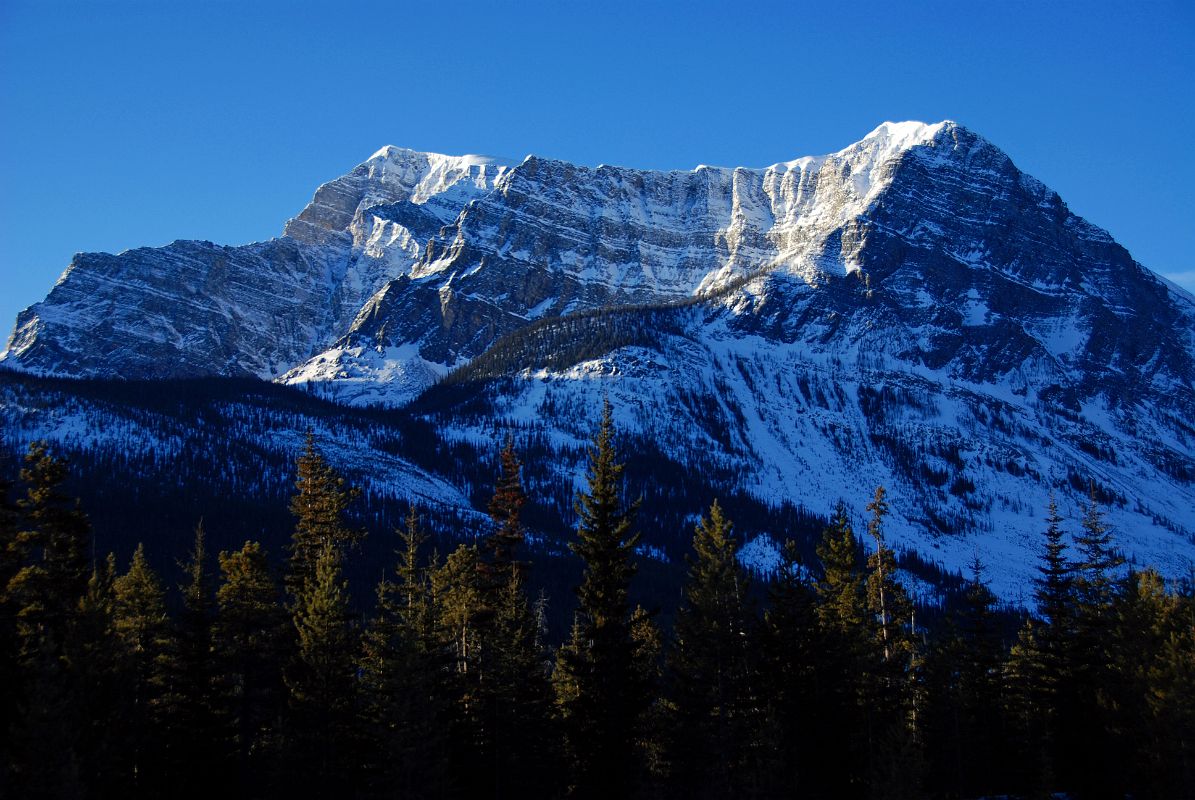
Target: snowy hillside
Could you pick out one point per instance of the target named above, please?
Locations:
(912, 311)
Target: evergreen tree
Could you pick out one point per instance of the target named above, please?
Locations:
(886, 599)
(963, 724)
(10, 675)
(1040, 668)
(793, 678)
(1055, 595)
(1154, 668)
(841, 591)
(522, 740)
(891, 703)
(44, 569)
(1090, 744)
(848, 661)
(403, 667)
(505, 686)
(321, 681)
(251, 643)
(599, 688)
(1095, 569)
(500, 548)
(193, 724)
(712, 668)
(55, 543)
(142, 627)
(102, 685)
(649, 735)
(457, 591)
(1166, 750)
(319, 506)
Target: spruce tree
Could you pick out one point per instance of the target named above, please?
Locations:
(47, 555)
(142, 627)
(193, 723)
(962, 724)
(319, 506)
(322, 681)
(251, 638)
(522, 747)
(599, 688)
(10, 675)
(848, 660)
(886, 598)
(891, 704)
(1041, 665)
(102, 685)
(712, 667)
(841, 590)
(1095, 569)
(1090, 743)
(403, 666)
(792, 679)
(506, 687)
(500, 548)
(456, 588)
(44, 569)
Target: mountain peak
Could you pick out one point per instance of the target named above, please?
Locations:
(894, 138)
(394, 153)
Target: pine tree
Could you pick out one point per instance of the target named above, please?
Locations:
(504, 681)
(712, 667)
(44, 572)
(1095, 568)
(886, 599)
(142, 627)
(251, 643)
(848, 662)
(1041, 665)
(792, 680)
(457, 591)
(1154, 669)
(319, 506)
(599, 689)
(193, 723)
(49, 555)
(962, 725)
(10, 675)
(322, 681)
(1055, 595)
(522, 746)
(1090, 747)
(500, 548)
(891, 703)
(1166, 734)
(102, 685)
(841, 590)
(403, 667)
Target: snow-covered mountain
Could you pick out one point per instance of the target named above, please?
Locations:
(912, 310)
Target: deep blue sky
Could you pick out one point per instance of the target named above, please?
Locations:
(135, 123)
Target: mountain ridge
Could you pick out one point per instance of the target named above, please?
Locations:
(912, 310)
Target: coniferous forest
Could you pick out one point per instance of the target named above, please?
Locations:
(245, 673)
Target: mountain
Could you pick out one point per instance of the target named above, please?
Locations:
(912, 311)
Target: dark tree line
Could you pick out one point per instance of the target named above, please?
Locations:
(239, 678)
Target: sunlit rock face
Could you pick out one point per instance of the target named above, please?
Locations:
(912, 311)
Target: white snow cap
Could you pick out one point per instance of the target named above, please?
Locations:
(903, 135)
(392, 153)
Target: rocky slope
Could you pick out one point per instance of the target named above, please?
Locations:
(912, 310)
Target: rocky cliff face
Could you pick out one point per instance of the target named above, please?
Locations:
(912, 310)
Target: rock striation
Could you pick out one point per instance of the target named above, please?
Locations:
(912, 310)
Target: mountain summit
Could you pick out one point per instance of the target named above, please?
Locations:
(402, 221)
(912, 311)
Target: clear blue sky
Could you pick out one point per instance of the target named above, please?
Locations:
(136, 123)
